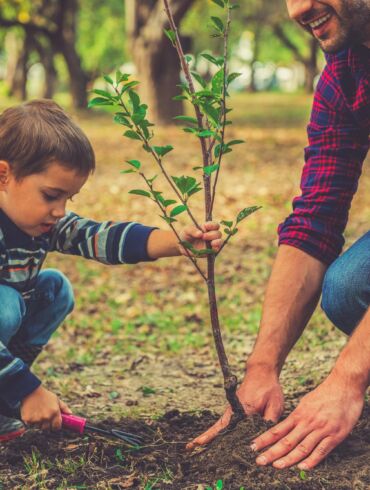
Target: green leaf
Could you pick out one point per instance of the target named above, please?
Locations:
(134, 163)
(199, 79)
(211, 168)
(185, 184)
(169, 202)
(235, 6)
(188, 245)
(210, 58)
(188, 119)
(218, 82)
(302, 475)
(220, 3)
(135, 100)
(108, 79)
(178, 210)
(246, 212)
(99, 101)
(129, 171)
(169, 220)
(129, 85)
(132, 135)
(205, 133)
(235, 142)
(194, 190)
(232, 77)
(205, 251)
(219, 485)
(140, 192)
(229, 224)
(151, 182)
(147, 391)
(190, 130)
(139, 114)
(171, 35)
(217, 22)
(103, 93)
(121, 77)
(212, 112)
(188, 58)
(120, 119)
(162, 150)
(179, 97)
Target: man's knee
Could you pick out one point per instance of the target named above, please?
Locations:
(346, 293)
(12, 312)
(59, 288)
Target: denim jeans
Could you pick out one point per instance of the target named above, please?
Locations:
(346, 286)
(34, 320)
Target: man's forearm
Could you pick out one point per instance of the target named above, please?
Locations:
(353, 363)
(162, 243)
(292, 294)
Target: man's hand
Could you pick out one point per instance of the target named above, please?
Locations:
(210, 233)
(260, 393)
(43, 409)
(322, 420)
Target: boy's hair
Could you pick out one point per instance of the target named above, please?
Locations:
(39, 132)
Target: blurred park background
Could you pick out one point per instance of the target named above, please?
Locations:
(60, 48)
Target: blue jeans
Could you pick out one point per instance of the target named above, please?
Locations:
(34, 320)
(346, 286)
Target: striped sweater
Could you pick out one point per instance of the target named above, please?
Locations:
(22, 256)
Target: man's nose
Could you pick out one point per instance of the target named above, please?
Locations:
(297, 8)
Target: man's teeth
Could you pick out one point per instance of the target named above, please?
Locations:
(320, 21)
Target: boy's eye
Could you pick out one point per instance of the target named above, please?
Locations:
(49, 197)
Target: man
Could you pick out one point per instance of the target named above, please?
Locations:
(307, 262)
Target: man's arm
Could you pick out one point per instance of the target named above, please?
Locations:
(291, 297)
(326, 416)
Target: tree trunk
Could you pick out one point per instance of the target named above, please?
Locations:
(256, 50)
(311, 67)
(17, 66)
(158, 67)
(156, 60)
(64, 41)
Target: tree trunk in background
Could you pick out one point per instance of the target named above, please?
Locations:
(311, 66)
(256, 51)
(17, 65)
(64, 41)
(156, 60)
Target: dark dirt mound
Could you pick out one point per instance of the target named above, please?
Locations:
(64, 461)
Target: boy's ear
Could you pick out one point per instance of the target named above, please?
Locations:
(4, 174)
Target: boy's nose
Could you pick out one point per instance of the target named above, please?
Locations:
(297, 8)
(59, 212)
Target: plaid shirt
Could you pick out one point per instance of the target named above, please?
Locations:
(21, 258)
(338, 134)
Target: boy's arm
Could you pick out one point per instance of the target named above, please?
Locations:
(125, 242)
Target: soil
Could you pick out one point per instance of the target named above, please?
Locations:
(37, 460)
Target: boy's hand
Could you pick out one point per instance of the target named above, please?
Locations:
(43, 409)
(197, 238)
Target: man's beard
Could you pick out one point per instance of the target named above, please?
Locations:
(354, 27)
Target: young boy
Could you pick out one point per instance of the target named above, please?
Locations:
(45, 159)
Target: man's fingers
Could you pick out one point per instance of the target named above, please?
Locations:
(283, 446)
(211, 235)
(320, 452)
(56, 422)
(212, 432)
(273, 412)
(302, 450)
(274, 434)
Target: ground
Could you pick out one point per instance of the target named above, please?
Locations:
(137, 351)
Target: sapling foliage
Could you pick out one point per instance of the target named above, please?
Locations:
(208, 126)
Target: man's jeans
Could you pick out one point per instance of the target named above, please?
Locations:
(346, 287)
(34, 320)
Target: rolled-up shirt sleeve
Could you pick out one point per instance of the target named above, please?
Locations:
(333, 162)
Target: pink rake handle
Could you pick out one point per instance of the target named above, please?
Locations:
(74, 423)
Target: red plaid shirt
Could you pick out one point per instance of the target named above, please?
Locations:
(338, 134)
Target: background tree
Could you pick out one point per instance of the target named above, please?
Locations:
(157, 64)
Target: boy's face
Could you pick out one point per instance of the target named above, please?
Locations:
(38, 201)
(336, 24)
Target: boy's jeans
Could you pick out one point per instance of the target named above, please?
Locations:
(346, 287)
(34, 320)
